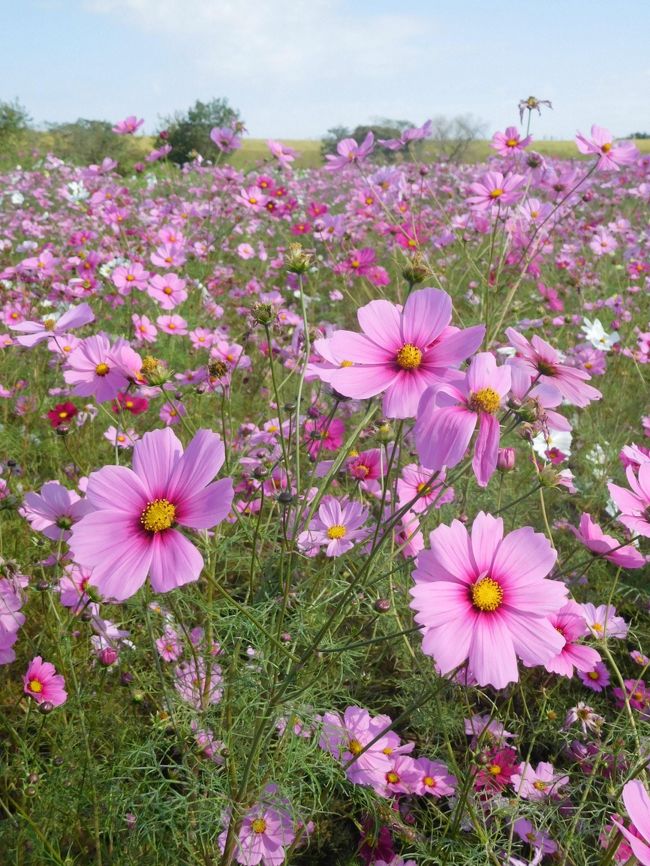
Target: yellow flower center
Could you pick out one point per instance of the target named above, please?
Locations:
(512, 142)
(355, 747)
(487, 595)
(429, 781)
(539, 785)
(496, 193)
(167, 290)
(130, 278)
(409, 357)
(494, 769)
(606, 147)
(485, 400)
(259, 825)
(336, 531)
(424, 488)
(597, 626)
(102, 369)
(347, 363)
(63, 414)
(593, 675)
(49, 324)
(35, 686)
(392, 778)
(158, 515)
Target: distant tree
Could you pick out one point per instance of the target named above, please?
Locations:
(188, 133)
(381, 127)
(87, 142)
(14, 121)
(453, 136)
(640, 135)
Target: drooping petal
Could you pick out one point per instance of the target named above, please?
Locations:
(174, 561)
(492, 657)
(486, 450)
(442, 435)
(534, 638)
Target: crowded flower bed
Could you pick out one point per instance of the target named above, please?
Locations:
(325, 505)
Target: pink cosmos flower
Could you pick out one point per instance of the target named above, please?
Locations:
(603, 622)
(416, 480)
(265, 832)
(285, 155)
(193, 686)
(337, 527)
(345, 737)
(401, 351)
(485, 598)
(495, 188)
(42, 683)
(169, 646)
(449, 412)
(130, 532)
(611, 156)
(322, 433)
(349, 152)
(538, 783)
(225, 138)
(543, 362)
(570, 623)
(53, 510)
(128, 277)
(11, 619)
(145, 330)
(509, 142)
(637, 803)
(435, 779)
(128, 126)
(50, 326)
(168, 290)
(596, 679)
(72, 588)
(402, 778)
(537, 838)
(634, 503)
(172, 324)
(592, 536)
(97, 368)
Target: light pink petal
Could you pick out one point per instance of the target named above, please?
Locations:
(403, 395)
(637, 803)
(437, 603)
(640, 850)
(174, 561)
(525, 554)
(350, 346)
(427, 313)
(442, 435)
(381, 321)
(207, 507)
(492, 657)
(453, 350)
(75, 318)
(450, 643)
(487, 532)
(361, 382)
(450, 549)
(202, 459)
(486, 450)
(535, 640)
(154, 459)
(117, 488)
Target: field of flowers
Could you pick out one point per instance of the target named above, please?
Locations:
(324, 508)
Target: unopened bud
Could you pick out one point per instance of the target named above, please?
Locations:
(296, 260)
(108, 656)
(263, 314)
(506, 459)
(416, 270)
(154, 371)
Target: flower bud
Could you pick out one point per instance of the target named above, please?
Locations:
(263, 314)
(506, 459)
(154, 371)
(108, 656)
(45, 707)
(296, 260)
(382, 605)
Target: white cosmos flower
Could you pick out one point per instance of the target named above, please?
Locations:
(596, 334)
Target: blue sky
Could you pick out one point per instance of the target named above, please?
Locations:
(296, 67)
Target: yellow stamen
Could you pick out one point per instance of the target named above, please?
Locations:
(487, 595)
(102, 369)
(258, 825)
(485, 400)
(409, 357)
(35, 686)
(336, 531)
(158, 515)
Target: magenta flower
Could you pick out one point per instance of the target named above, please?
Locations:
(592, 536)
(434, 779)
(416, 481)
(128, 126)
(50, 326)
(543, 363)
(173, 324)
(634, 503)
(537, 838)
(225, 138)
(509, 142)
(349, 152)
(42, 683)
(345, 738)
(323, 434)
(130, 532)
(611, 156)
(284, 154)
(337, 527)
(538, 783)
(448, 415)
(53, 510)
(97, 368)
(265, 832)
(596, 679)
(495, 188)
(168, 290)
(637, 803)
(128, 277)
(401, 351)
(570, 623)
(484, 598)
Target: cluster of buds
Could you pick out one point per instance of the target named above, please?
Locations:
(263, 314)
(416, 270)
